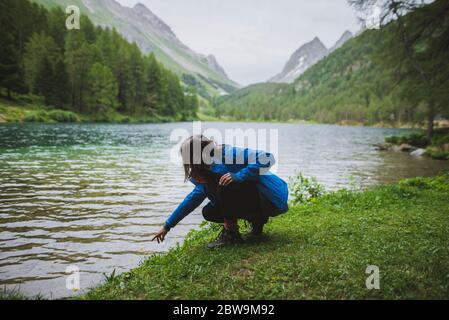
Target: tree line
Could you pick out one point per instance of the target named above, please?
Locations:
(92, 70)
(416, 48)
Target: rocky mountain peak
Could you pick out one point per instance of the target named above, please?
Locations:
(306, 56)
(140, 25)
(347, 35)
(142, 11)
(302, 59)
(212, 62)
(140, 7)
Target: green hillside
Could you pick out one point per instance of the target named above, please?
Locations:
(174, 55)
(254, 102)
(347, 85)
(51, 74)
(353, 84)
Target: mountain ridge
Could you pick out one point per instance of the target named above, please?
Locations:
(325, 92)
(347, 35)
(306, 56)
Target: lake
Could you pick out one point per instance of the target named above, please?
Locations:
(91, 195)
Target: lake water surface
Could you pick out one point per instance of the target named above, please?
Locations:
(92, 195)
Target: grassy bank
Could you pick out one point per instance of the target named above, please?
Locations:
(392, 125)
(27, 109)
(317, 250)
(437, 147)
(23, 112)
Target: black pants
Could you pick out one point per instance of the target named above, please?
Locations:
(236, 201)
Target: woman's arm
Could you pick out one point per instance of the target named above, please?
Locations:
(257, 163)
(190, 203)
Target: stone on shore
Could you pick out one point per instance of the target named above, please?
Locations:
(419, 153)
(404, 148)
(383, 146)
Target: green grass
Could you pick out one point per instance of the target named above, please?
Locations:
(15, 294)
(417, 139)
(31, 109)
(319, 250)
(51, 116)
(14, 111)
(206, 117)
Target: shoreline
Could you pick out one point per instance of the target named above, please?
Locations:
(297, 239)
(317, 250)
(12, 112)
(327, 243)
(419, 145)
(407, 126)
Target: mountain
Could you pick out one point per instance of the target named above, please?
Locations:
(140, 25)
(301, 60)
(213, 63)
(347, 35)
(346, 85)
(369, 80)
(305, 57)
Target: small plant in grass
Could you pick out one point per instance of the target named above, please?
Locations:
(15, 294)
(110, 278)
(304, 189)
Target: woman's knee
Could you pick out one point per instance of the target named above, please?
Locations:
(225, 192)
(212, 214)
(236, 191)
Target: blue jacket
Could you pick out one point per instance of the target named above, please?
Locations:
(246, 165)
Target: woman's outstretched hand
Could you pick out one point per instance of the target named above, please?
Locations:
(160, 236)
(226, 180)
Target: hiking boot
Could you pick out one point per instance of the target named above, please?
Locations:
(255, 232)
(226, 237)
(256, 228)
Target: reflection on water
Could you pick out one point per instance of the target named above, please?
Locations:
(92, 195)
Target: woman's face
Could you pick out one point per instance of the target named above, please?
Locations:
(199, 173)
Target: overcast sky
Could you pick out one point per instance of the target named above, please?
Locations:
(253, 39)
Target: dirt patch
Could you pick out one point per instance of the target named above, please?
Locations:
(244, 273)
